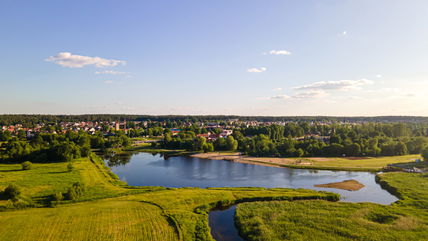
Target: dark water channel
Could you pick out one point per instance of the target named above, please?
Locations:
(222, 224)
(144, 169)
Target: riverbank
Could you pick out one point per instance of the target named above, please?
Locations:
(407, 219)
(368, 164)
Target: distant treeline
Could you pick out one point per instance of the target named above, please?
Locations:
(47, 147)
(302, 139)
(35, 119)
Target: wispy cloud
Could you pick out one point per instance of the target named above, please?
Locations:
(311, 94)
(112, 72)
(335, 85)
(278, 52)
(108, 81)
(257, 70)
(277, 89)
(280, 97)
(69, 60)
(344, 33)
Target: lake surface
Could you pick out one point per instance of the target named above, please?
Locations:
(145, 169)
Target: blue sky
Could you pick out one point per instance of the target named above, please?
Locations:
(244, 57)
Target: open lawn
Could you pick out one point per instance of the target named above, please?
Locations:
(326, 163)
(321, 220)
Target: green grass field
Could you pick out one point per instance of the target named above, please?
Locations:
(359, 164)
(111, 210)
(45, 179)
(321, 220)
(370, 164)
(97, 220)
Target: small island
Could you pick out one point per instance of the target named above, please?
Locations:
(349, 185)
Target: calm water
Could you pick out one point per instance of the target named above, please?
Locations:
(144, 169)
(223, 225)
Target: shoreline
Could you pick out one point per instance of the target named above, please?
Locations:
(290, 162)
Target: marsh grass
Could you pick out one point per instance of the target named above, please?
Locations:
(321, 220)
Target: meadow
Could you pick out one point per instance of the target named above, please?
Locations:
(370, 164)
(111, 210)
(406, 219)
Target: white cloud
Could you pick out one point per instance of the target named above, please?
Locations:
(67, 59)
(378, 76)
(344, 33)
(280, 97)
(311, 94)
(277, 89)
(278, 52)
(108, 81)
(257, 70)
(112, 72)
(335, 85)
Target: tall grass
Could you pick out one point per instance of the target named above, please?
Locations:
(321, 220)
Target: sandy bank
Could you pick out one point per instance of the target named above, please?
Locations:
(349, 185)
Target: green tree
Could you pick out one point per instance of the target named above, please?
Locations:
(425, 154)
(199, 143)
(231, 143)
(26, 165)
(12, 192)
(208, 147)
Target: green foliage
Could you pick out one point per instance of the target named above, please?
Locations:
(57, 197)
(231, 144)
(75, 191)
(208, 147)
(12, 192)
(26, 165)
(425, 154)
(70, 167)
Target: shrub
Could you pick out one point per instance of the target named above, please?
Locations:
(57, 196)
(26, 165)
(18, 204)
(70, 167)
(425, 154)
(12, 192)
(75, 191)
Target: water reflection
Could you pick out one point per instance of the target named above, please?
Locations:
(144, 169)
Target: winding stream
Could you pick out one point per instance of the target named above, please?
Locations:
(222, 224)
